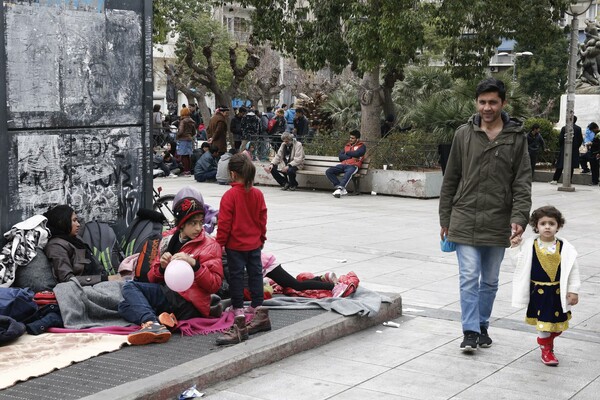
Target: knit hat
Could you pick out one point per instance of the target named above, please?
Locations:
(186, 208)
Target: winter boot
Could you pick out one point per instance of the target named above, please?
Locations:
(547, 347)
(236, 334)
(260, 322)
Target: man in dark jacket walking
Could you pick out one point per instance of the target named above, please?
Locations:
(577, 141)
(535, 144)
(484, 202)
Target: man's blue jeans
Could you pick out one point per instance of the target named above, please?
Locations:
(142, 301)
(206, 176)
(478, 267)
(347, 170)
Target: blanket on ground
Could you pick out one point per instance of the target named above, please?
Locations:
(189, 327)
(31, 356)
(90, 306)
(363, 302)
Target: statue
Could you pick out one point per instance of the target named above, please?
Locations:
(588, 81)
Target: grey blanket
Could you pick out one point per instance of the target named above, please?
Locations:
(90, 306)
(363, 302)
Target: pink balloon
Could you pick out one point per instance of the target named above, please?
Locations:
(179, 275)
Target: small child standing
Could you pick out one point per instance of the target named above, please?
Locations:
(546, 279)
(242, 231)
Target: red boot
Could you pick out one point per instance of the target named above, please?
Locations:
(547, 346)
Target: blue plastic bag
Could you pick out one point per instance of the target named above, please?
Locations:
(447, 246)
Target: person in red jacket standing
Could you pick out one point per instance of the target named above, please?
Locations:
(143, 301)
(242, 231)
(351, 158)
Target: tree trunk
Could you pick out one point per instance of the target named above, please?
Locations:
(202, 106)
(371, 105)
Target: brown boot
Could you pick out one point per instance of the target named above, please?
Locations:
(260, 322)
(236, 334)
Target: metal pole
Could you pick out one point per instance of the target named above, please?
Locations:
(515, 68)
(568, 147)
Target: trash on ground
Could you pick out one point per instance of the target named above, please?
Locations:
(191, 393)
(341, 261)
(378, 331)
(391, 324)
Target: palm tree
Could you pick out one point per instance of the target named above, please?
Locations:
(343, 108)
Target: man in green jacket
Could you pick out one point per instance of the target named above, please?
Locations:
(484, 202)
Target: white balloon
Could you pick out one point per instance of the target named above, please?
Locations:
(179, 275)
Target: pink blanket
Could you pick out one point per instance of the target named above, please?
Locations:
(190, 327)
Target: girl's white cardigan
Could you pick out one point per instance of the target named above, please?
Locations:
(522, 257)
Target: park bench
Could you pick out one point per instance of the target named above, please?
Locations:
(317, 165)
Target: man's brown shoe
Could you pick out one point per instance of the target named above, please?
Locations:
(236, 334)
(260, 322)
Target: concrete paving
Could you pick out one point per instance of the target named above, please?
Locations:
(393, 245)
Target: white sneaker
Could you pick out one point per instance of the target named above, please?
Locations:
(553, 182)
(344, 192)
(337, 193)
(172, 176)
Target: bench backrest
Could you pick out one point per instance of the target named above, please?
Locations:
(321, 163)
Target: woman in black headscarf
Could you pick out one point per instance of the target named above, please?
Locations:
(68, 254)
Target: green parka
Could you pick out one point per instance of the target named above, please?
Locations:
(487, 184)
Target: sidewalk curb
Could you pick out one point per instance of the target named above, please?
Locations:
(256, 352)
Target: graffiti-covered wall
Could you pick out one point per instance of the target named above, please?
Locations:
(78, 96)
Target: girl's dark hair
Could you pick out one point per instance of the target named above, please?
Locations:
(546, 211)
(593, 126)
(241, 165)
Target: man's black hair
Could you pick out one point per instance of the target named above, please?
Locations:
(205, 144)
(355, 133)
(535, 126)
(491, 85)
(213, 149)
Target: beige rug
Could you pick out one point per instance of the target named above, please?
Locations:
(32, 356)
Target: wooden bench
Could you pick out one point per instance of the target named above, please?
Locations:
(317, 165)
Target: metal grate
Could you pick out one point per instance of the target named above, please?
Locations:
(131, 363)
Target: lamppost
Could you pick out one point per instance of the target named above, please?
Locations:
(514, 60)
(575, 10)
(519, 54)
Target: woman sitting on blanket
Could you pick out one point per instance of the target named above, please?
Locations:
(142, 302)
(69, 255)
(328, 281)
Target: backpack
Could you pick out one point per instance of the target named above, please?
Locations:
(103, 241)
(150, 250)
(148, 224)
(17, 303)
(271, 124)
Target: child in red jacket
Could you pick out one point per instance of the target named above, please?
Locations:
(143, 301)
(242, 231)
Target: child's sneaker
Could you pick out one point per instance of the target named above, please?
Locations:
(339, 289)
(168, 320)
(151, 332)
(330, 277)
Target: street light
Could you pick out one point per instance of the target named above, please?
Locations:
(575, 10)
(519, 54)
